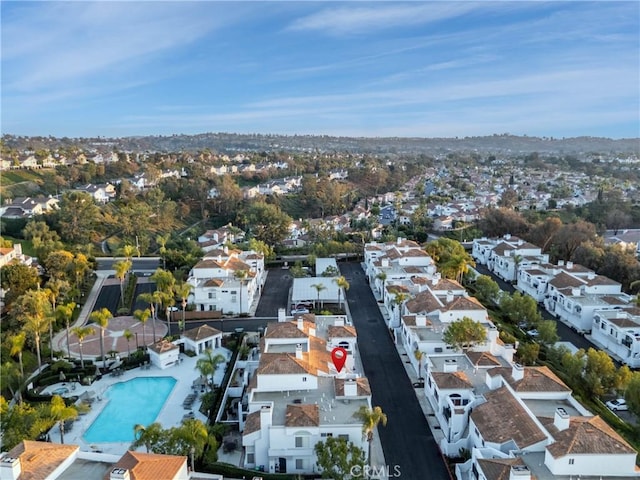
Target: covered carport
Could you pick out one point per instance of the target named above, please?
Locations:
(304, 291)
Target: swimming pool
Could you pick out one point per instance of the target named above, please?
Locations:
(135, 401)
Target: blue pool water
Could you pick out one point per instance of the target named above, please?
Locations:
(135, 401)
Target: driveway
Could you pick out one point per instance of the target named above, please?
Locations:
(275, 294)
(407, 441)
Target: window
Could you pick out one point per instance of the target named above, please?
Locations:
(304, 379)
(302, 442)
(210, 294)
(251, 458)
(571, 461)
(299, 463)
(324, 435)
(343, 437)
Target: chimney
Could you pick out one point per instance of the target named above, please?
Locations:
(507, 236)
(219, 258)
(282, 315)
(299, 351)
(569, 265)
(300, 323)
(591, 275)
(519, 472)
(450, 365)
(265, 416)
(10, 468)
(225, 249)
(119, 474)
(421, 320)
(561, 263)
(517, 372)
(398, 240)
(561, 419)
(449, 296)
(350, 387)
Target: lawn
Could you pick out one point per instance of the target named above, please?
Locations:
(27, 246)
(18, 176)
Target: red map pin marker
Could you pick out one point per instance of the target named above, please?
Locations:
(339, 357)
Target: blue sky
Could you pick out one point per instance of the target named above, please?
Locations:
(417, 69)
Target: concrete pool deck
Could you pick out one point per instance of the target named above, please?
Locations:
(171, 414)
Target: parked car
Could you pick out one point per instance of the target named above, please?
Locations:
(296, 311)
(533, 333)
(418, 384)
(620, 404)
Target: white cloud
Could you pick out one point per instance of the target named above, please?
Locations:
(379, 15)
(56, 43)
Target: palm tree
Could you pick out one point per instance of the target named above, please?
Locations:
(150, 299)
(122, 267)
(142, 316)
(59, 412)
(101, 318)
(17, 346)
(128, 335)
(342, 284)
(82, 333)
(517, 260)
(162, 240)
(319, 287)
(241, 275)
(208, 364)
(194, 433)
(54, 289)
(398, 299)
(183, 290)
(419, 355)
(147, 436)
(65, 312)
(370, 418)
(128, 251)
(34, 309)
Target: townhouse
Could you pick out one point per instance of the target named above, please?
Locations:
(574, 298)
(517, 420)
(618, 332)
(428, 315)
(505, 256)
(31, 460)
(295, 397)
(227, 280)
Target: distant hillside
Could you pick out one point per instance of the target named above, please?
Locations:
(230, 142)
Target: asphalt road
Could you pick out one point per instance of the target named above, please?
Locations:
(141, 264)
(275, 294)
(108, 298)
(406, 440)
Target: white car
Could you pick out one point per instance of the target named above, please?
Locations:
(533, 333)
(618, 404)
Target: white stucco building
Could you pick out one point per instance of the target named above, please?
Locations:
(296, 398)
(227, 280)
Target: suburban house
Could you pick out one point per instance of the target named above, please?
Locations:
(218, 238)
(295, 397)
(227, 280)
(27, 207)
(100, 193)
